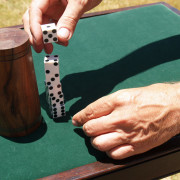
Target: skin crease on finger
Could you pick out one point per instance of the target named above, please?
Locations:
(144, 117)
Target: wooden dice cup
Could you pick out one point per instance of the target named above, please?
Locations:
(20, 112)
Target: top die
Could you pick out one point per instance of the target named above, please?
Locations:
(49, 33)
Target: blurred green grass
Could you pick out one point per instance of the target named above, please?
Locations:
(11, 12)
(113, 4)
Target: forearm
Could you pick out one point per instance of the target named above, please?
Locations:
(177, 86)
(170, 92)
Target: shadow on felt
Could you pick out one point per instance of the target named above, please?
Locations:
(34, 136)
(171, 145)
(97, 154)
(91, 85)
(94, 84)
(45, 106)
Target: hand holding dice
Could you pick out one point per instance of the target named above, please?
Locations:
(64, 13)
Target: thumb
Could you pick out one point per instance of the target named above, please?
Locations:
(67, 23)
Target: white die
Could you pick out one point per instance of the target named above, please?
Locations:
(51, 65)
(49, 33)
(54, 94)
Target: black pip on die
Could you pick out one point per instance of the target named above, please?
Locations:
(54, 94)
(49, 33)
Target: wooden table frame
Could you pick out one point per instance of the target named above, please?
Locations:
(155, 163)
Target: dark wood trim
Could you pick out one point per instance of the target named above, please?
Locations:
(21, 26)
(156, 168)
(171, 7)
(108, 166)
(128, 8)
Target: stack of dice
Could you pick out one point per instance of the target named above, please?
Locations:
(54, 94)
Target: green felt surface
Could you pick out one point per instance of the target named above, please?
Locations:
(110, 52)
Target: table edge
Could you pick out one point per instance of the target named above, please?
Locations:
(108, 165)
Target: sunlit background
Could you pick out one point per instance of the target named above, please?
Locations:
(11, 11)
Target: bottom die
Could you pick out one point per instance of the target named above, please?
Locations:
(58, 111)
(55, 101)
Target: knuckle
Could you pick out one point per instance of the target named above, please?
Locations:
(126, 96)
(87, 129)
(82, 2)
(89, 113)
(116, 98)
(71, 21)
(112, 155)
(79, 122)
(107, 101)
(98, 145)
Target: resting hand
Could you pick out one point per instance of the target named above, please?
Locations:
(65, 13)
(132, 121)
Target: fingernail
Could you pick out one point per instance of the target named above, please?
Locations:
(74, 123)
(64, 33)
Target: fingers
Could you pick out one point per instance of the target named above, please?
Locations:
(121, 152)
(63, 43)
(101, 107)
(27, 21)
(48, 48)
(115, 144)
(35, 22)
(26, 25)
(67, 23)
(98, 126)
(37, 48)
(36, 18)
(106, 142)
(71, 12)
